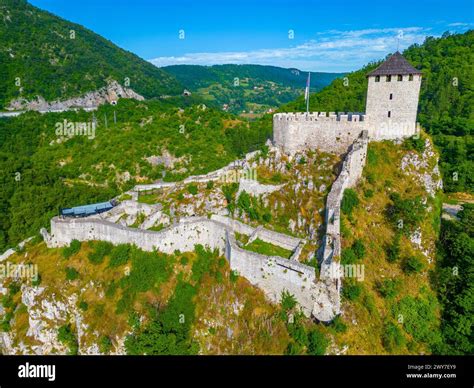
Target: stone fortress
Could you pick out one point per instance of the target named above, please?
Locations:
(392, 101)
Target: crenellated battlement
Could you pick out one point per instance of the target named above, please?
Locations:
(321, 116)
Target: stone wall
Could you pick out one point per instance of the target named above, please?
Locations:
(270, 273)
(351, 171)
(273, 274)
(328, 132)
(269, 236)
(182, 236)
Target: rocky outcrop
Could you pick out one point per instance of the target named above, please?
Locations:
(108, 94)
(424, 168)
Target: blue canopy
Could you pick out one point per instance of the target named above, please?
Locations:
(87, 210)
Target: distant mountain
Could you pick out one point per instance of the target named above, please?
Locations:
(248, 88)
(44, 55)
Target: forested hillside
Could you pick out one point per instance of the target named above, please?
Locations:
(43, 171)
(445, 107)
(41, 54)
(455, 282)
(248, 88)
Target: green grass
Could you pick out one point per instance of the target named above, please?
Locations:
(264, 248)
(149, 199)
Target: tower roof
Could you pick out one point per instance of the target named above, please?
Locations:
(396, 64)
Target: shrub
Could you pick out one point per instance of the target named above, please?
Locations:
(349, 201)
(288, 301)
(250, 206)
(101, 249)
(393, 250)
(192, 189)
(348, 256)
(72, 249)
(119, 255)
(368, 193)
(83, 305)
(203, 263)
(414, 143)
(351, 291)
(371, 178)
(338, 325)
(297, 331)
(149, 269)
(405, 214)
(317, 343)
(229, 191)
(71, 273)
(36, 282)
(419, 318)
(105, 344)
(210, 185)
(68, 338)
(389, 288)
(392, 338)
(267, 217)
(134, 320)
(359, 249)
(110, 290)
(412, 265)
(233, 276)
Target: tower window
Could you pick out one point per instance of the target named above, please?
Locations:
(389, 78)
(410, 77)
(400, 77)
(377, 78)
(389, 114)
(391, 96)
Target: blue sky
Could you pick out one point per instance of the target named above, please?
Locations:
(329, 35)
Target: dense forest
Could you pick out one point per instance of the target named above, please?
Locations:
(454, 279)
(248, 88)
(60, 59)
(445, 107)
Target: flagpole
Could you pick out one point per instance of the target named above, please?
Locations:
(307, 99)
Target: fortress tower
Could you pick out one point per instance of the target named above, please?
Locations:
(392, 104)
(392, 98)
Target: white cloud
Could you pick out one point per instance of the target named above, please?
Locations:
(458, 24)
(333, 50)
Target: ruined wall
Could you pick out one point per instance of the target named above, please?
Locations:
(331, 132)
(273, 274)
(351, 171)
(269, 236)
